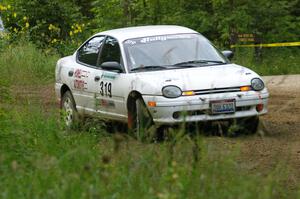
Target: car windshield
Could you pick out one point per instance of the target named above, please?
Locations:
(171, 51)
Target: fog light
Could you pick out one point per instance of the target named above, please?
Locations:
(176, 115)
(259, 107)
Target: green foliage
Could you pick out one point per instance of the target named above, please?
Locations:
(49, 23)
(46, 23)
(219, 20)
(108, 13)
(276, 61)
(23, 64)
(60, 14)
(40, 160)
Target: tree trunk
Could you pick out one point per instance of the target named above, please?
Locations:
(126, 12)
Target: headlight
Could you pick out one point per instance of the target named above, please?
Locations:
(257, 84)
(171, 91)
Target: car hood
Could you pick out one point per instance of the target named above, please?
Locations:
(198, 78)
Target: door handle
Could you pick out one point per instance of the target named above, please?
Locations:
(71, 73)
(97, 78)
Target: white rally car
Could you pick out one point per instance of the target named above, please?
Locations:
(155, 76)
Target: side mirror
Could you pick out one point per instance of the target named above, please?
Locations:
(228, 53)
(112, 66)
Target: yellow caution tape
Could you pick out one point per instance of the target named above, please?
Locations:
(267, 45)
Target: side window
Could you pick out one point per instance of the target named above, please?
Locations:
(110, 51)
(88, 53)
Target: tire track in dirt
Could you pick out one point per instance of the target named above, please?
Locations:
(280, 143)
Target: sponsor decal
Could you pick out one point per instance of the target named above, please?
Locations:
(106, 75)
(132, 42)
(105, 103)
(81, 73)
(163, 38)
(80, 84)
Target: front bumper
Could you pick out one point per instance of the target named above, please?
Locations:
(197, 108)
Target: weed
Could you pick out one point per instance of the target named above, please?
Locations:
(274, 61)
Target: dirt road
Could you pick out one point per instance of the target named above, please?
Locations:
(279, 142)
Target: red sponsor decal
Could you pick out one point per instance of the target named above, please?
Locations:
(79, 84)
(77, 73)
(80, 73)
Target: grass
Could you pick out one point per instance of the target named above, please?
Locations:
(23, 64)
(274, 61)
(39, 159)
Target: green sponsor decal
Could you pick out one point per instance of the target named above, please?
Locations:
(109, 75)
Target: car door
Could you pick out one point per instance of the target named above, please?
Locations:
(110, 84)
(82, 74)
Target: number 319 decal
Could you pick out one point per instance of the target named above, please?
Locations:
(105, 89)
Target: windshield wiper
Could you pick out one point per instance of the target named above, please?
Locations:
(148, 68)
(198, 62)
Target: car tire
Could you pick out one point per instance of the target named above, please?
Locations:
(140, 121)
(69, 112)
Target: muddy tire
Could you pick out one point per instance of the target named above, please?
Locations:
(140, 122)
(69, 112)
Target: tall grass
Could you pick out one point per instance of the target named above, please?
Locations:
(273, 61)
(22, 63)
(39, 159)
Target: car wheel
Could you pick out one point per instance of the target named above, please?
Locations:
(140, 121)
(69, 112)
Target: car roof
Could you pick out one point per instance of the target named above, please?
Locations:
(123, 34)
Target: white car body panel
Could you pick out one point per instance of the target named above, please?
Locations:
(221, 76)
(150, 83)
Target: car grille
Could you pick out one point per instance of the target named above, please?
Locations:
(217, 90)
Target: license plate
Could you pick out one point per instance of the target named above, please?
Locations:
(222, 106)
